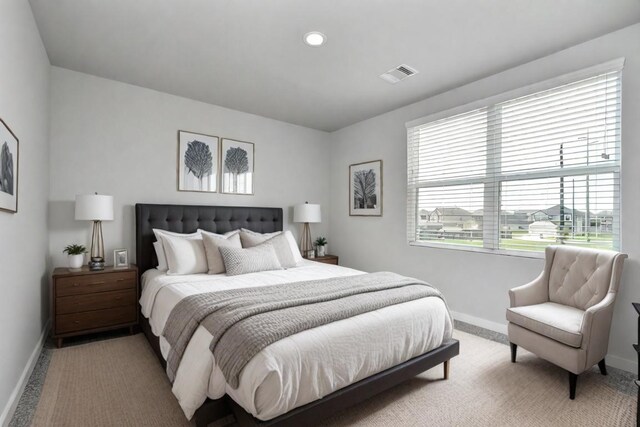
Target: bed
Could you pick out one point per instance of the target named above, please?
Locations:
(291, 381)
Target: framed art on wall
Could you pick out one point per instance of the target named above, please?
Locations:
(8, 169)
(365, 189)
(197, 162)
(237, 167)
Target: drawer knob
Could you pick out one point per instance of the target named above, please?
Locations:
(76, 322)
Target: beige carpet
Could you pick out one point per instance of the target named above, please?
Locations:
(120, 383)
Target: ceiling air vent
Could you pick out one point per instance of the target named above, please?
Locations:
(399, 73)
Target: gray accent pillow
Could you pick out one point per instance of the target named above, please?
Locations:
(283, 250)
(251, 260)
(283, 242)
(252, 238)
(212, 244)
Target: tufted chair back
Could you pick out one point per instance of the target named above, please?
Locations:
(580, 277)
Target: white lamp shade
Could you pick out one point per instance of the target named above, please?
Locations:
(94, 207)
(306, 212)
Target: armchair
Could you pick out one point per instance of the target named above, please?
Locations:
(564, 315)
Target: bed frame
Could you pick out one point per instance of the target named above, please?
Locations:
(221, 219)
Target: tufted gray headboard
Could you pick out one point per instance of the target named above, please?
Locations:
(187, 219)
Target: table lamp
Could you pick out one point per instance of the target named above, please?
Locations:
(306, 213)
(96, 208)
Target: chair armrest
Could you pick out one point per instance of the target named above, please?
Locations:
(596, 323)
(535, 292)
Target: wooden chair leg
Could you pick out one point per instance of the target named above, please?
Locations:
(514, 350)
(446, 370)
(603, 367)
(573, 379)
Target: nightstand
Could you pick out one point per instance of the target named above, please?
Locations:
(93, 301)
(327, 259)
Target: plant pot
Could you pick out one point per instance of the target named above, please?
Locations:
(75, 261)
(322, 250)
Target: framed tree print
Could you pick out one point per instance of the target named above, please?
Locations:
(197, 162)
(365, 189)
(237, 167)
(8, 169)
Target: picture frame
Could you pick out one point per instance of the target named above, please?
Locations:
(120, 258)
(365, 188)
(237, 167)
(198, 162)
(9, 171)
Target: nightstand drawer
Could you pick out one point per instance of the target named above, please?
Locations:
(95, 319)
(95, 283)
(95, 301)
(327, 259)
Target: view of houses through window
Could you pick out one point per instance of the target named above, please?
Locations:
(522, 174)
(532, 227)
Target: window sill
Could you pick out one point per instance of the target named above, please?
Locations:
(451, 247)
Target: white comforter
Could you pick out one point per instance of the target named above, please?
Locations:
(304, 367)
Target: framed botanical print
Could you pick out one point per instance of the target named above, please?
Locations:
(237, 167)
(197, 162)
(8, 169)
(365, 189)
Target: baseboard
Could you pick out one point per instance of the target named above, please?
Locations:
(9, 409)
(478, 321)
(612, 360)
(624, 364)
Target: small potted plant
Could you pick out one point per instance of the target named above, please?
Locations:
(321, 246)
(75, 254)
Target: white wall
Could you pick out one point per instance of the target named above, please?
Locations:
(121, 140)
(24, 106)
(476, 284)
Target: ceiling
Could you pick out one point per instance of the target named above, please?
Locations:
(249, 55)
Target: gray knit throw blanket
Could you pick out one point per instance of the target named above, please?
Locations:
(245, 321)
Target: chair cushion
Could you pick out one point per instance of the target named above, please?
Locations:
(559, 322)
(580, 277)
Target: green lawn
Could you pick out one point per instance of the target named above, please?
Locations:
(603, 241)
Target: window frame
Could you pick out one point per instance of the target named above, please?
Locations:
(493, 182)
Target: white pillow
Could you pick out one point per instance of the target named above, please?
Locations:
(250, 260)
(184, 256)
(251, 238)
(295, 250)
(285, 253)
(212, 243)
(227, 234)
(160, 256)
(158, 232)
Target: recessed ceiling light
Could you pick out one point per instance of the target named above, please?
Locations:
(315, 38)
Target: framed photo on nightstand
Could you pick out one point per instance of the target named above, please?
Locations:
(120, 258)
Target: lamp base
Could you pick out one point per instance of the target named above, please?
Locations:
(97, 248)
(306, 247)
(96, 264)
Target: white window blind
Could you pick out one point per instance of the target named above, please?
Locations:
(521, 173)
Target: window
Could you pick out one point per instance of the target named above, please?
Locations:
(521, 171)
